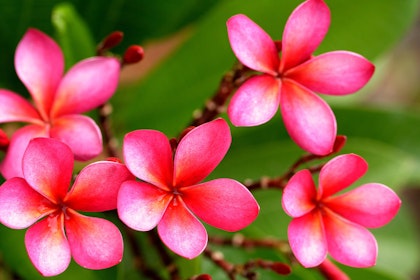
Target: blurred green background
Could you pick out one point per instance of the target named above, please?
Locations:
(187, 52)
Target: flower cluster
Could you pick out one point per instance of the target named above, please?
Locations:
(162, 182)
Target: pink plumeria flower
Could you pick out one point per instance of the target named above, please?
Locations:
(324, 221)
(43, 195)
(58, 100)
(170, 193)
(290, 81)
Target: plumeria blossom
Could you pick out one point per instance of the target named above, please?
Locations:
(290, 81)
(171, 192)
(58, 100)
(43, 195)
(325, 221)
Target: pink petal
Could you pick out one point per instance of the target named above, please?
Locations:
(371, 205)
(47, 246)
(307, 239)
(80, 133)
(304, 31)
(141, 205)
(255, 102)
(336, 73)
(222, 203)
(349, 243)
(21, 206)
(39, 64)
(96, 187)
(148, 156)
(86, 86)
(200, 151)
(299, 195)
(16, 108)
(252, 45)
(48, 167)
(12, 162)
(308, 119)
(181, 231)
(95, 243)
(339, 173)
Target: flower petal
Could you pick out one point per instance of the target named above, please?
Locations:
(371, 205)
(141, 205)
(21, 206)
(80, 133)
(15, 108)
(304, 31)
(339, 173)
(349, 243)
(95, 243)
(96, 187)
(255, 102)
(299, 195)
(87, 85)
(252, 45)
(222, 203)
(181, 231)
(47, 246)
(307, 239)
(148, 155)
(200, 151)
(47, 167)
(12, 162)
(335, 73)
(308, 119)
(39, 64)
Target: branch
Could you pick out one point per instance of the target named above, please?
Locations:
(247, 269)
(166, 258)
(281, 181)
(215, 105)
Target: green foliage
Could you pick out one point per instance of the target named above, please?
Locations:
(166, 98)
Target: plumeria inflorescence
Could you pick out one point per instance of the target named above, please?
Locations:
(161, 182)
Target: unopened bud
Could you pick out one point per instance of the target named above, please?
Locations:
(278, 45)
(339, 143)
(281, 268)
(4, 140)
(133, 54)
(114, 159)
(111, 41)
(202, 277)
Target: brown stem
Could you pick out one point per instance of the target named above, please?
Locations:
(238, 240)
(166, 258)
(247, 269)
(110, 141)
(281, 181)
(218, 259)
(215, 105)
(139, 262)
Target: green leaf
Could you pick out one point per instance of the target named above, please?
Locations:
(72, 34)
(140, 20)
(14, 254)
(166, 99)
